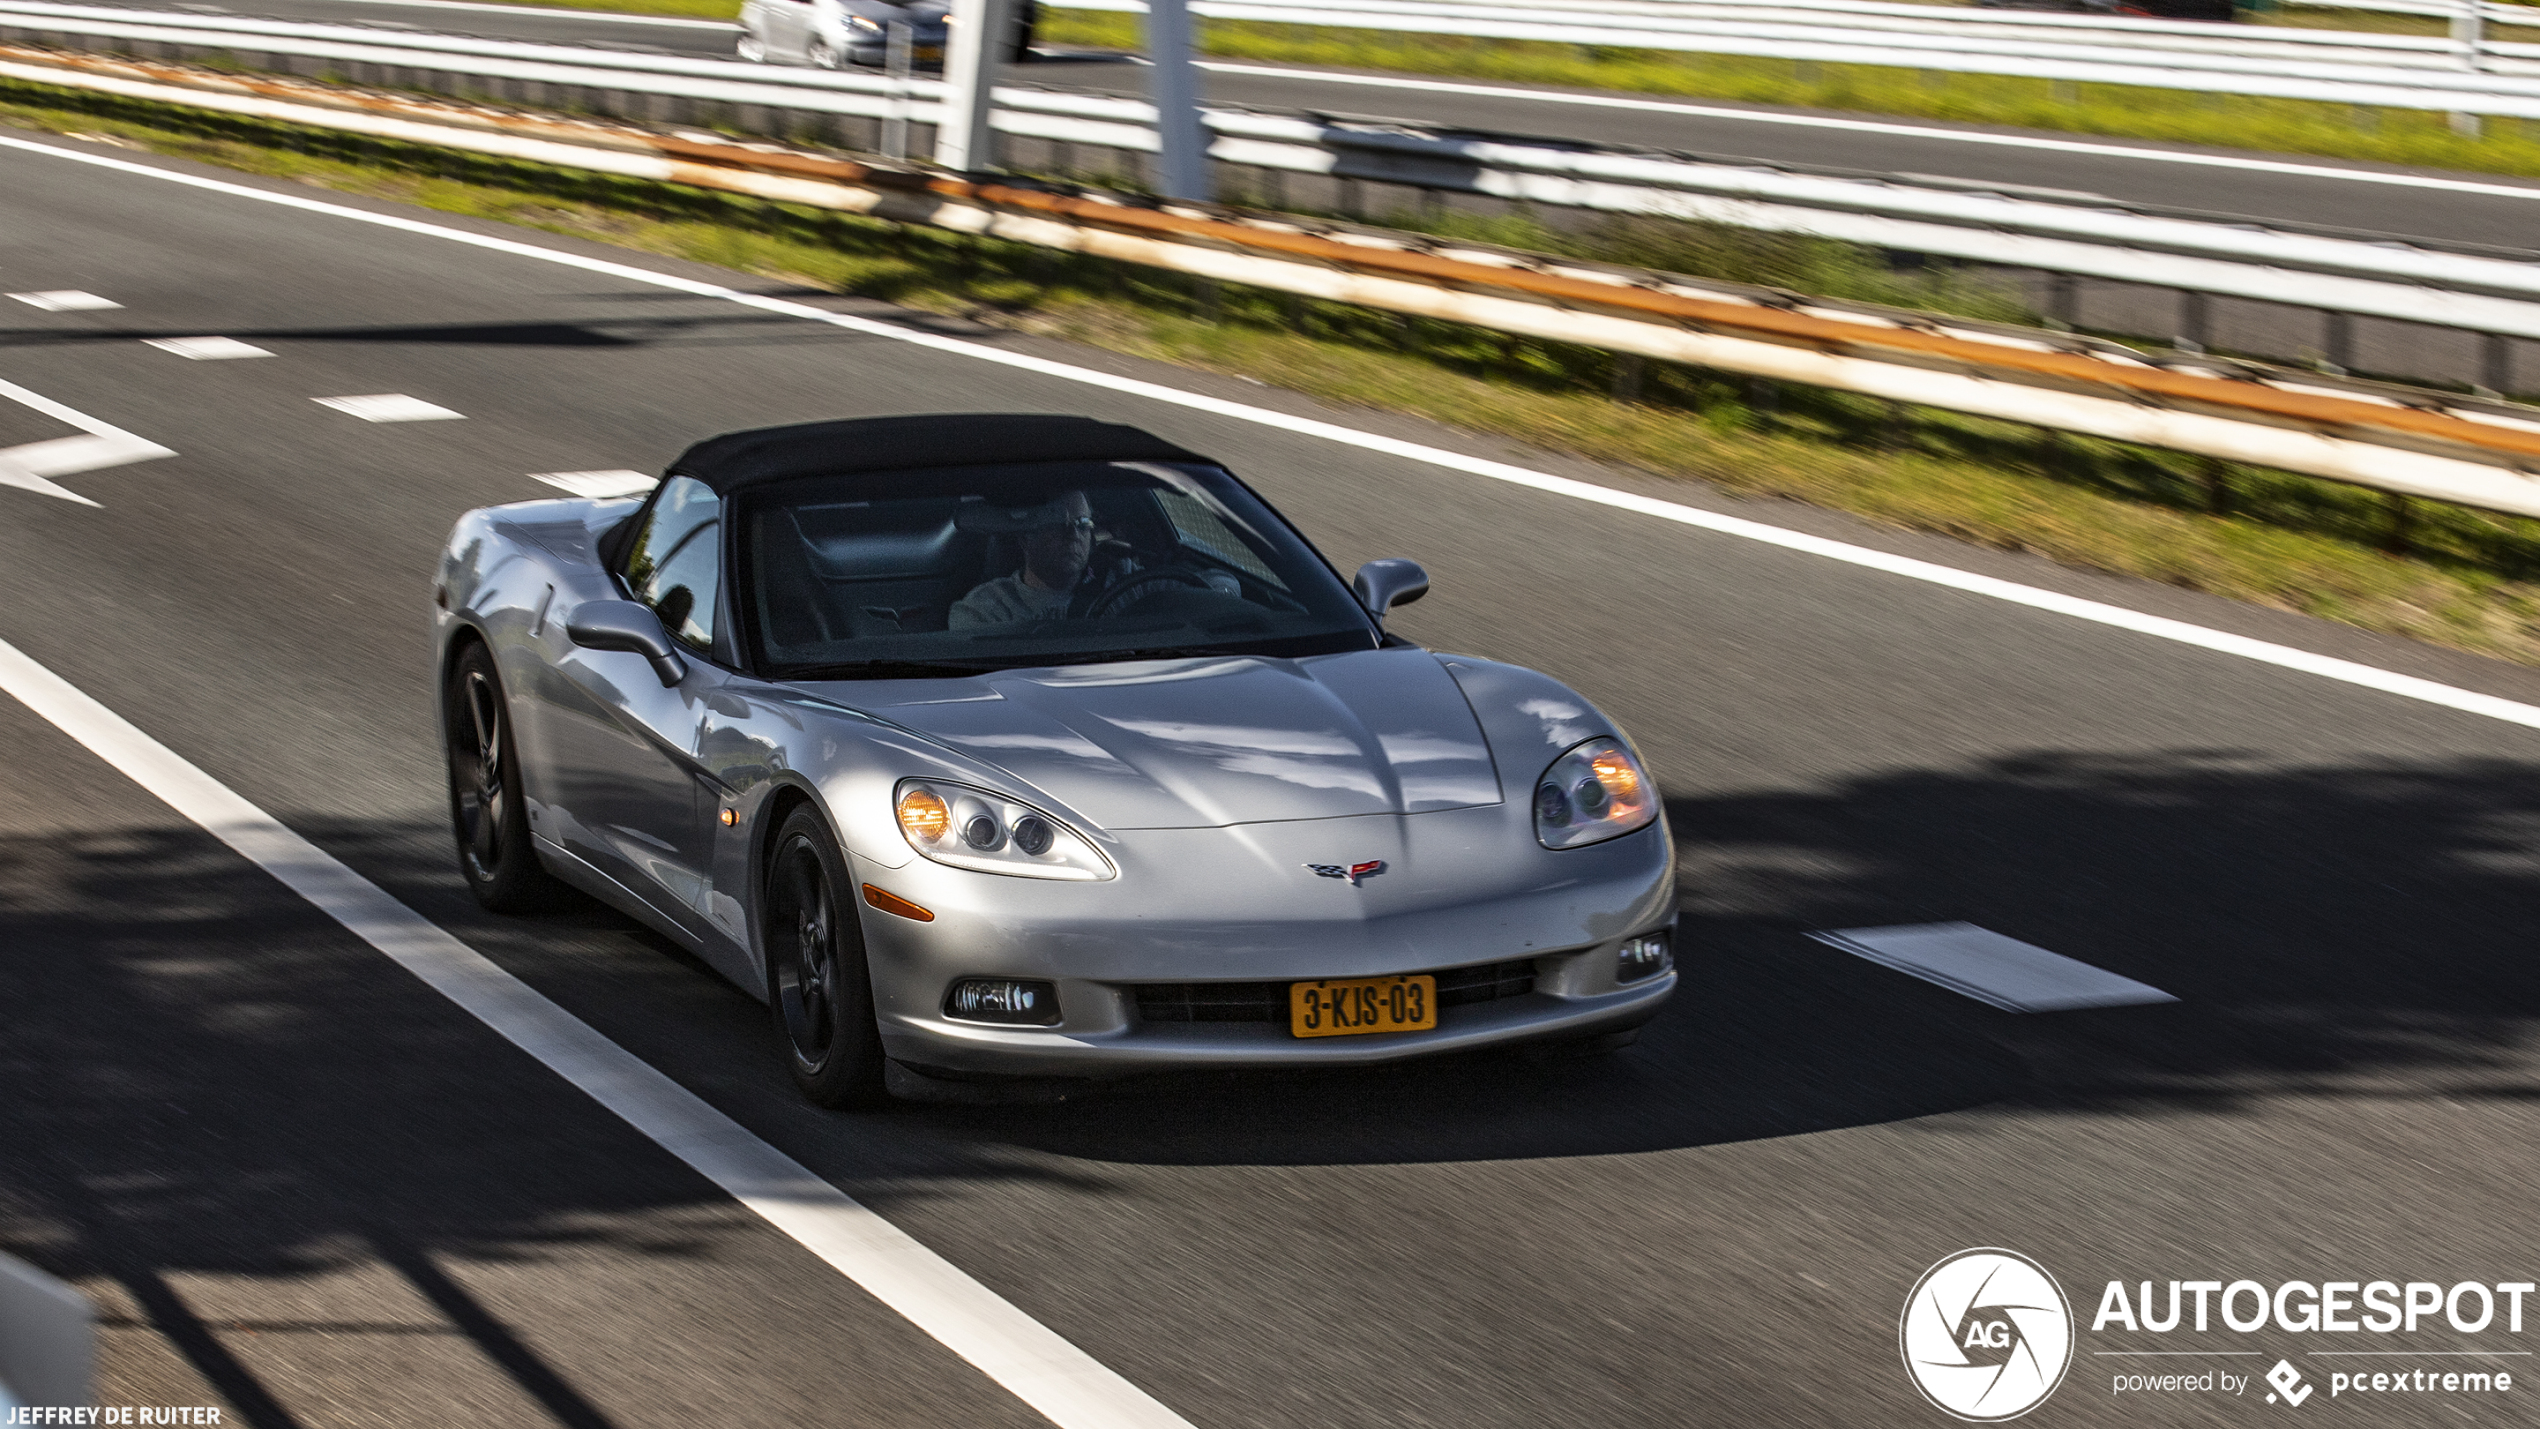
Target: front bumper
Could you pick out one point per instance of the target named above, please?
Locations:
(1236, 905)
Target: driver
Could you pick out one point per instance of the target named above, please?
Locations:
(1054, 557)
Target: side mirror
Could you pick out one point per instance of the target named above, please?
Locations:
(625, 625)
(1382, 585)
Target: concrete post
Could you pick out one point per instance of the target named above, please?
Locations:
(964, 143)
(1181, 167)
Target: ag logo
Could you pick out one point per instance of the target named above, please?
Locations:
(1987, 1334)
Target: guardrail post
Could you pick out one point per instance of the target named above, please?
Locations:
(898, 61)
(965, 144)
(2469, 32)
(2195, 326)
(1181, 167)
(2496, 363)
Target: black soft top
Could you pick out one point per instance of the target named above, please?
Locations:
(740, 459)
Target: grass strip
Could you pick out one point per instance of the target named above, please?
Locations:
(2467, 579)
(2288, 126)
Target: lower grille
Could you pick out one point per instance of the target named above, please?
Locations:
(1268, 1001)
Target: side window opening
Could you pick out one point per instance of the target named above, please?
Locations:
(676, 563)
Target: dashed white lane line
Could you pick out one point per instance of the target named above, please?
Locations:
(1984, 965)
(207, 349)
(2263, 652)
(390, 407)
(31, 466)
(598, 485)
(1871, 126)
(66, 300)
(1032, 1361)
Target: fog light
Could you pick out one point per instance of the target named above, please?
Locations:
(998, 999)
(1641, 957)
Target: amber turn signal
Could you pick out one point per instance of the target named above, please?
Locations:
(924, 815)
(893, 903)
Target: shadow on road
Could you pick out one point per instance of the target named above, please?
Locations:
(2348, 930)
(206, 1077)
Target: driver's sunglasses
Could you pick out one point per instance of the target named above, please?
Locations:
(1081, 526)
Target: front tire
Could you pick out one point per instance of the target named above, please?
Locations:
(751, 48)
(822, 55)
(487, 813)
(819, 992)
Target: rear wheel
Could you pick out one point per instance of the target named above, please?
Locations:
(820, 995)
(487, 812)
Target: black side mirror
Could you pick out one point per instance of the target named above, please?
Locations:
(625, 625)
(1382, 585)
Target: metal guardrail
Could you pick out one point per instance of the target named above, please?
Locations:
(2415, 443)
(2467, 74)
(2487, 291)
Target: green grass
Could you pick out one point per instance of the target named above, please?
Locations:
(1814, 267)
(2470, 580)
(2276, 125)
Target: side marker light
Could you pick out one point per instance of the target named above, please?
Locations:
(893, 903)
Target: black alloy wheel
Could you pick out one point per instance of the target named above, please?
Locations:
(487, 812)
(819, 993)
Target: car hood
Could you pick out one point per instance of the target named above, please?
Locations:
(1207, 743)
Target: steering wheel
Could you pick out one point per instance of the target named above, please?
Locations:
(1134, 587)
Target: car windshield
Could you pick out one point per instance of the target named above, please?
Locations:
(896, 574)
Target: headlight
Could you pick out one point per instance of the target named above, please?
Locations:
(974, 829)
(1593, 793)
(859, 23)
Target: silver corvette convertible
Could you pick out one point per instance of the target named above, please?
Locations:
(1004, 753)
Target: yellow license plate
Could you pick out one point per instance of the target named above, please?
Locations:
(930, 52)
(1354, 1007)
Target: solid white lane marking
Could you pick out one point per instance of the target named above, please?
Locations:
(66, 300)
(1906, 131)
(29, 466)
(2242, 647)
(389, 407)
(207, 349)
(598, 485)
(1032, 1361)
(1984, 965)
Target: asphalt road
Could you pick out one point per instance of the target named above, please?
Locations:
(2489, 210)
(303, 1188)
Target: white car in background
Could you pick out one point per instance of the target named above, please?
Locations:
(829, 33)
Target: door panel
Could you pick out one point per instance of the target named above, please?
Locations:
(629, 794)
(630, 797)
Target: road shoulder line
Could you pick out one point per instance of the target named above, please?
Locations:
(1031, 1361)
